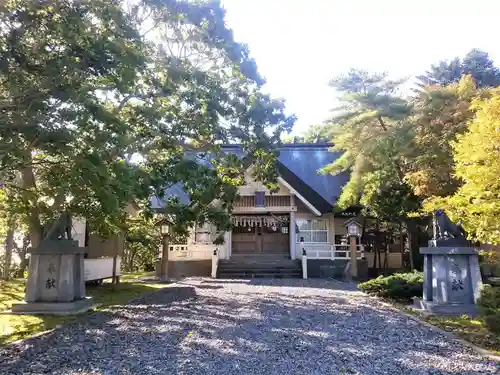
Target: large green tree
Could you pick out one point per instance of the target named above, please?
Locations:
(370, 129)
(103, 104)
(477, 63)
(399, 150)
(440, 115)
(367, 128)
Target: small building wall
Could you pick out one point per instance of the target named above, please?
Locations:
(97, 246)
(394, 260)
(209, 247)
(301, 207)
(186, 268)
(104, 247)
(326, 268)
(191, 252)
(101, 268)
(251, 186)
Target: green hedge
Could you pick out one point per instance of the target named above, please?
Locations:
(489, 307)
(398, 286)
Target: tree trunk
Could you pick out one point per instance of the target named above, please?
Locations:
(9, 246)
(164, 258)
(125, 258)
(22, 267)
(35, 226)
(131, 262)
(22, 252)
(401, 244)
(413, 242)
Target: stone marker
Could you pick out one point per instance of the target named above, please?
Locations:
(56, 283)
(452, 279)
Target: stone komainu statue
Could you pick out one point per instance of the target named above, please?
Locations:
(60, 229)
(448, 232)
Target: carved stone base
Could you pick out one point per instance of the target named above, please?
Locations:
(53, 308)
(56, 272)
(452, 281)
(450, 309)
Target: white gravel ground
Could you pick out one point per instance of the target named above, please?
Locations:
(285, 327)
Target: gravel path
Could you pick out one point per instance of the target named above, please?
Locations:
(286, 327)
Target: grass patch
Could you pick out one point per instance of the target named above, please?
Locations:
(133, 276)
(15, 327)
(464, 327)
(11, 292)
(399, 288)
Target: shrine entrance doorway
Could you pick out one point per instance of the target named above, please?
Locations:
(260, 234)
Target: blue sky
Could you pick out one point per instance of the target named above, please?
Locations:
(300, 45)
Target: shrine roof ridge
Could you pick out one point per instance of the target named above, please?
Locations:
(299, 165)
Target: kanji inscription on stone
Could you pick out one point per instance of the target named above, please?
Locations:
(51, 269)
(50, 283)
(457, 284)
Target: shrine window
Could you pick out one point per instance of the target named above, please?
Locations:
(313, 231)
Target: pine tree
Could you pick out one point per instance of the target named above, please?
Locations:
(367, 130)
(477, 63)
(100, 105)
(443, 73)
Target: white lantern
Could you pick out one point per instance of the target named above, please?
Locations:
(165, 229)
(353, 229)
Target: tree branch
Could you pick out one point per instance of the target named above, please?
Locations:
(124, 101)
(189, 147)
(151, 28)
(382, 124)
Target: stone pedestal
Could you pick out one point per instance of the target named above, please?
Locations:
(452, 280)
(56, 283)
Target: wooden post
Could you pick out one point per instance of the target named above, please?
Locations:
(293, 236)
(409, 231)
(115, 278)
(215, 261)
(304, 264)
(164, 258)
(354, 256)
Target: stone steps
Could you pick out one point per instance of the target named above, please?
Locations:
(259, 268)
(250, 275)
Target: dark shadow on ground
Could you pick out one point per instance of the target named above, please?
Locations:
(191, 330)
(103, 295)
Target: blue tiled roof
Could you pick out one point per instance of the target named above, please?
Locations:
(305, 161)
(173, 191)
(301, 163)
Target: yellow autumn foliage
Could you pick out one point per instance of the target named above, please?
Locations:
(477, 164)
